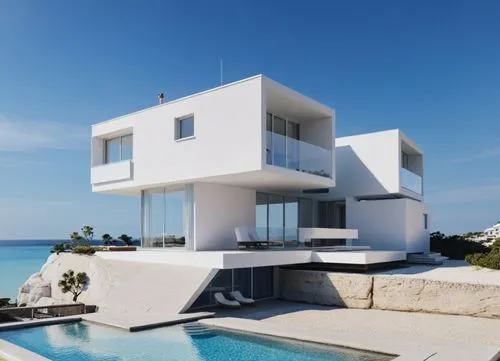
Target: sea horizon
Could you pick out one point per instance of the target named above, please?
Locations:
(21, 258)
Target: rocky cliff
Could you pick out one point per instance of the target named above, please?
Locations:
(118, 285)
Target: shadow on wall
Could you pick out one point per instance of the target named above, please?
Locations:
(353, 177)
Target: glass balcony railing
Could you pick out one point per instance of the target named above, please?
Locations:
(411, 181)
(294, 154)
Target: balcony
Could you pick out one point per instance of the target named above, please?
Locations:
(294, 154)
(111, 172)
(411, 181)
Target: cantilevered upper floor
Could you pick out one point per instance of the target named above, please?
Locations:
(378, 165)
(253, 133)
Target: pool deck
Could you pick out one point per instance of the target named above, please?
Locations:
(449, 271)
(412, 336)
(407, 336)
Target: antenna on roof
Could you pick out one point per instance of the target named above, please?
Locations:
(221, 72)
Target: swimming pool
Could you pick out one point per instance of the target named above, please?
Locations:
(191, 342)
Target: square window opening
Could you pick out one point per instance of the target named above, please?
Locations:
(185, 127)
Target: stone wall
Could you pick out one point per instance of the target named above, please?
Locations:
(396, 293)
(326, 288)
(423, 295)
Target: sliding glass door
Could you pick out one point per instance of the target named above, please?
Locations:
(164, 222)
(282, 138)
(277, 219)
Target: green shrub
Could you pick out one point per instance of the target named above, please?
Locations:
(60, 247)
(126, 239)
(487, 260)
(4, 302)
(83, 250)
(455, 247)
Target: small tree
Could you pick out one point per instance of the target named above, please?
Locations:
(72, 283)
(126, 239)
(88, 233)
(107, 239)
(76, 238)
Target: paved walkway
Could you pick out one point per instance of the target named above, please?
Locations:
(418, 334)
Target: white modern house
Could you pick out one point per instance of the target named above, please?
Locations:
(254, 161)
(489, 235)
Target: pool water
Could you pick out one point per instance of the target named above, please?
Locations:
(89, 342)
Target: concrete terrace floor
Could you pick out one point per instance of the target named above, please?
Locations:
(393, 324)
(450, 270)
(416, 336)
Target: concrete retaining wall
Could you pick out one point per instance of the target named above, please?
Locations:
(326, 288)
(396, 293)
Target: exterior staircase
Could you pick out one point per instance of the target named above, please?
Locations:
(426, 258)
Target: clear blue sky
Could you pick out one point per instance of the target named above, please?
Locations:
(431, 68)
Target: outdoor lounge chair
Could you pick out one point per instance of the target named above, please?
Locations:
(241, 299)
(223, 301)
(248, 238)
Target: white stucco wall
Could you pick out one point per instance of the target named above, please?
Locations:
(417, 238)
(389, 224)
(218, 210)
(227, 137)
(367, 164)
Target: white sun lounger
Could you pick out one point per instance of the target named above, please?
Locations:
(223, 301)
(241, 299)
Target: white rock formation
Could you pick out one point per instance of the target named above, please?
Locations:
(118, 285)
(34, 289)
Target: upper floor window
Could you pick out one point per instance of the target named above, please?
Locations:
(426, 221)
(404, 160)
(185, 127)
(118, 149)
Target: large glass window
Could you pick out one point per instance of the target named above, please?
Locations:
(261, 220)
(242, 281)
(279, 142)
(127, 147)
(269, 138)
(163, 222)
(263, 282)
(404, 160)
(277, 219)
(257, 283)
(291, 208)
(118, 149)
(112, 150)
(292, 145)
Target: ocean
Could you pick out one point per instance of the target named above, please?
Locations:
(18, 261)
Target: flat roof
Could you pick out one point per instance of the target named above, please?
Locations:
(270, 82)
